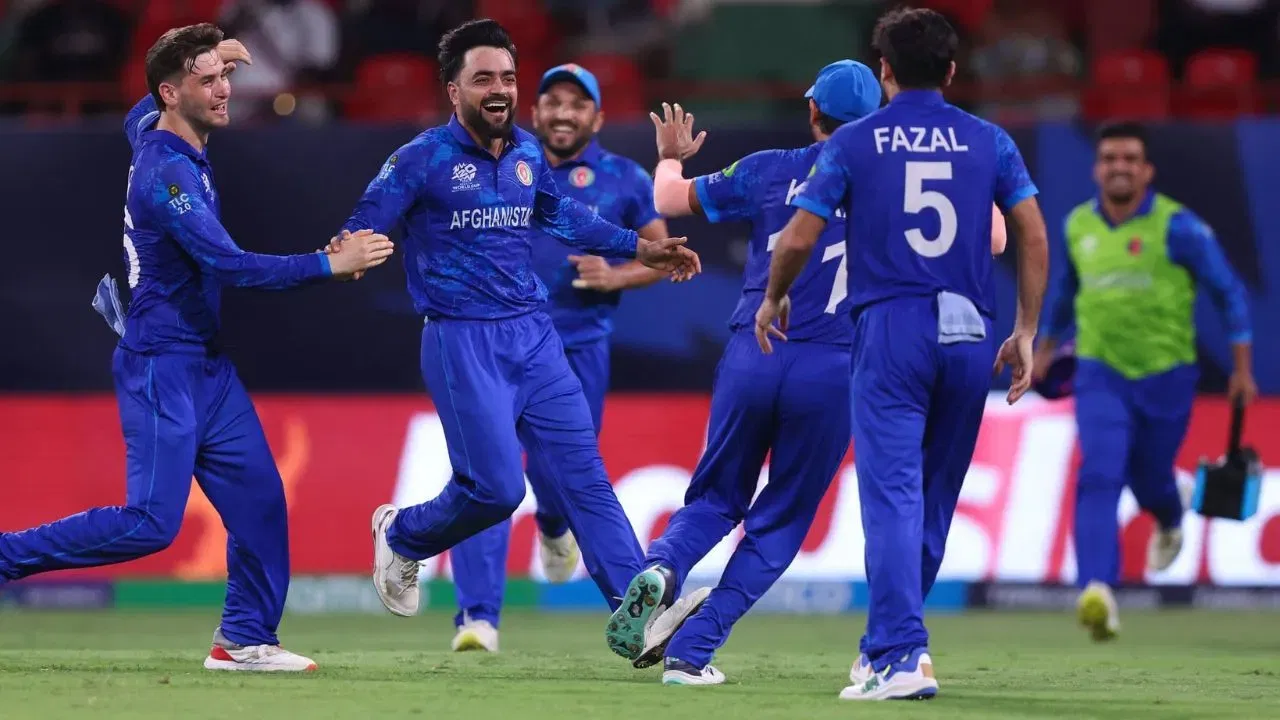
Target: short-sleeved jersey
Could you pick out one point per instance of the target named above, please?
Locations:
(917, 179)
(469, 221)
(176, 252)
(618, 190)
(760, 189)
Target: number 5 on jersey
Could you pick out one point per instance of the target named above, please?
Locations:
(840, 288)
(916, 200)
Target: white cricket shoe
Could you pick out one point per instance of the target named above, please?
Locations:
(1097, 610)
(476, 635)
(559, 556)
(1165, 545)
(226, 655)
(1163, 549)
(679, 672)
(861, 670)
(908, 679)
(395, 577)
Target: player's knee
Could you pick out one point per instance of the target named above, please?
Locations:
(506, 498)
(152, 532)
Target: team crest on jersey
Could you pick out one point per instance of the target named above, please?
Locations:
(524, 173)
(581, 177)
(1135, 246)
(174, 190)
(1088, 244)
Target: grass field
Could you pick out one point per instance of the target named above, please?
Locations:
(1010, 665)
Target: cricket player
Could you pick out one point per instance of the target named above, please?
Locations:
(470, 195)
(1135, 259)
(583, 291)
(761, 404)
(183, 410)
(916, 180)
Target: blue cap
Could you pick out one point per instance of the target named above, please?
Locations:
(846, 90)
(572, 73)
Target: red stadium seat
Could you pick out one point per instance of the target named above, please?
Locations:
(395, 87)
(1220, 84)
(1130, 84)
(621, 84)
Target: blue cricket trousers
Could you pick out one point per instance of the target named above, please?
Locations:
(182, 415)
(499, 386)
(789, 406)
(480, 562)
(1130, 432)
(917, 409)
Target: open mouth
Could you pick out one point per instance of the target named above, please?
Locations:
(496, 109)
(220, 109)
(563, 131)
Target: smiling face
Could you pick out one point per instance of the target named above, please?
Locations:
(1121, 168)
(566, 119)
(484, 93)
(201, 93)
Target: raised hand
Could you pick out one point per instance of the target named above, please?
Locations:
(669, 255)
(357, 252)
(675, 134)
(233, 52)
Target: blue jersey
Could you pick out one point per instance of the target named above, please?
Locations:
(176, 252)
(469, 219)
(760, 188)
(620, 191)
(917, 179)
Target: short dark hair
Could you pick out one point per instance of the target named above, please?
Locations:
(827, 124)
(918, 44)
(453, 47)
(176, 52)
(1122, 129)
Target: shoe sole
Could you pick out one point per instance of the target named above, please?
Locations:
(679, 679)
(927, 692)
(379, 516)
(469, 643)
(1092, 612)
(628, 623)
(662, 631)
(212, 664)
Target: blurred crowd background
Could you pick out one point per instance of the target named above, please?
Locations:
(1023, 60)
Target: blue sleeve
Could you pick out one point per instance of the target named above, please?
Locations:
(641, 210)
(178, 206)
(829, 180)
(391, 193)
(1013, 182)
(1192, 245)
(731, 193)
(140, 119)
(577, 225)
(1065, 286)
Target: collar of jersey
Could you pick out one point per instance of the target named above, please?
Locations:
(169, 140)
(590, 156)
(1143, 209)
(464, 138)
(918, 97)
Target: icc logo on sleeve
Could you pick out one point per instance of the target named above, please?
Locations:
(524, 173)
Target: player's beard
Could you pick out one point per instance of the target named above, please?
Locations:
(474, 117)
(579, 141)
(200, 116)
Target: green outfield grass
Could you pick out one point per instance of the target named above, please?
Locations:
(147, 665)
